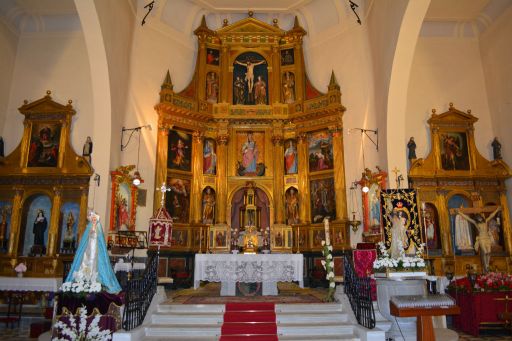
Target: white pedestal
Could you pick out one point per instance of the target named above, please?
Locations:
(403, 329)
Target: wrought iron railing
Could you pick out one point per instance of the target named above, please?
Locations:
(139, 293)
(358, 290)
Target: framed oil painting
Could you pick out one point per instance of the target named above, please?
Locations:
(44, 144)
(281, 239)
(219, 238)
(290, 157)
(454, 151)
(212, 56)
(372, 219)
(320, 151)
(177, 202)
(287, 57)
(323, 199)
(251, 153)
(209, 157)
(5, 224)
(123, 209)
(180, 150)
(179, 238)
(250, 79)
(69, 218)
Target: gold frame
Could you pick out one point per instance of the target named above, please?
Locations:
(213, 246)
(121, 176)
(287, 238)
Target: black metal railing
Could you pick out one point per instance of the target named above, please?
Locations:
(358, 290)
(139, 293)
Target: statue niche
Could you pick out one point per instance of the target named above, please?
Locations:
(250, 79)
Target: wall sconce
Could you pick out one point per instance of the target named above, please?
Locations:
(137, 179)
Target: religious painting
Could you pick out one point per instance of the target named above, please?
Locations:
(123, 207)
(5, 224)
(158, 233)
(401, 221)
(208, 206)
(36, 217)
(463, 235)
(251, 157)
(320, 151)
(281, 238)
(372, 221)
(288, 87)
(454, 151)
(179, 238)
(323, 199)
(212, 56)
(290, 157)
(209, 157)
(317, 236)
(338, 265)
(250, 79)
(44, 145)
(212, 87)
(69, 218)
(180, 150)
(177, 202)
(219, 238)
(431, 230)
(337, 237)
(287, 57)
(292, 206)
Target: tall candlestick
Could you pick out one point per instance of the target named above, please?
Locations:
(326, 226)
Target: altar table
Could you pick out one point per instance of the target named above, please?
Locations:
(30, 284)
(267, 269)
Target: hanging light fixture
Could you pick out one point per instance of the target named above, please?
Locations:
(137, 179)
(365, 187)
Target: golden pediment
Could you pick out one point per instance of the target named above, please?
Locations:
(250, 25)
(45, 105)
(452, 117)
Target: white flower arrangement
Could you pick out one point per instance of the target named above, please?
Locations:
(402, 263)
(328, 265)
(20, 268)
(82, 283)
(78, 330)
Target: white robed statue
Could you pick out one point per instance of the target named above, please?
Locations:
(398, 235)
(91, 262)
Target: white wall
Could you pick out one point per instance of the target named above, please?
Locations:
(447, 70)
(9, 46)
(496, 53)
(50, 61)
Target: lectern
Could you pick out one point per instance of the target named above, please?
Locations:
(423, 307)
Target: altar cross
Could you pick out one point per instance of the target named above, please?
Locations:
(397, 171)
(163, 189)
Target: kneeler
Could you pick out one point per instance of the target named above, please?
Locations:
(363, 264)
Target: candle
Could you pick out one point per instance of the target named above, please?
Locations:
(423, 206)
(326, 226)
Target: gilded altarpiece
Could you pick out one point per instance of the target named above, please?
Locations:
(456, 178)
(253, 116)
(44, 188)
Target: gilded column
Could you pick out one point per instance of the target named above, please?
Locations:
(299, 81)
(339, 174)
(445, 223)
(302, 146)
(276, 75)
(222, 183)
(505, 217)
(161, 163)
(197, 170)
(225, 79)
(53, 231)
(15, 222)
(82, 222)
(201, 57)
(277, 141)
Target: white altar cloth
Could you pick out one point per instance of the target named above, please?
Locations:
(267, 269)
(30, 284)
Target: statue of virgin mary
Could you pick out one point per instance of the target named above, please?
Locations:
(91, 261)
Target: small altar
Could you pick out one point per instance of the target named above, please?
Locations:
(267, 269)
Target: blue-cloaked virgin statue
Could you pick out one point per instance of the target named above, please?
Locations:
(91, 263)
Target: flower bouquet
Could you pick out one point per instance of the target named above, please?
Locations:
(20, 269)
(82, 284)
(403, 266)
(70, 328)
(328, 265)
(492, 281)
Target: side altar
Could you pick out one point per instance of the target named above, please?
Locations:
(251, 125)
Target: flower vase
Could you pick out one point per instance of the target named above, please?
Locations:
(20, 274)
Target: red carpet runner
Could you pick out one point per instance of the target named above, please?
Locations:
(249, 321)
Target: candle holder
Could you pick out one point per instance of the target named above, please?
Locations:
(355, 224)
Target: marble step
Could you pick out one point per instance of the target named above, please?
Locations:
(348, 337)
(199, 308)
(309, 308)
(187, 318)
(337, 329)
(306, 317)
(188, 330)
(181, 338)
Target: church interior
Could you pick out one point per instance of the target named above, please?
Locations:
(194, 150)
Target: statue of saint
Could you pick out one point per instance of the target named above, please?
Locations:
(250, 239)
(208, 206)
(496, 149)
(87, 150)
(292, 207)
(40, 226)
(260, 91)
(484, 240)
(411, 145)
(69, 235)
(463, 239)
(91, 260)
